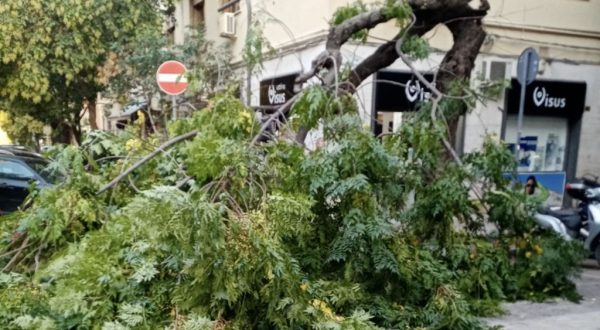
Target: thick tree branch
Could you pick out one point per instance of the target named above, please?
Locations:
(151, 155)
(460, 59)
(283, 109)
(340, 34)
(428, 14)
(15, 259)
(461, 18)
(444, 5)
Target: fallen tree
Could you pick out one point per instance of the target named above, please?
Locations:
(269, 236)
(214, 229)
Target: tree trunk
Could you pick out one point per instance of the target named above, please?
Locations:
(65, 133)
(92, 114)
(59, 133)
(74, 135)
(463, 20)
(458, 64)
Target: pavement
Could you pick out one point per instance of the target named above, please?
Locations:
(560, 314)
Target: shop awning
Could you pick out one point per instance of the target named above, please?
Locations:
(129, 110)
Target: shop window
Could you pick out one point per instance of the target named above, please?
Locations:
(229, 6)
(197, 13)
(397, 96)
(543, 142)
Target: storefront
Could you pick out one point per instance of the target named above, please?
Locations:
(549, 144)
(396, 94)
(550, 133)
(277, 91)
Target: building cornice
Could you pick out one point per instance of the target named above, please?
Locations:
(542, 29)
(320, 37)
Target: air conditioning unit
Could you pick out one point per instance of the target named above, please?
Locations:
(228, 25)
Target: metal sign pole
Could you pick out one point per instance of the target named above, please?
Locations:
(521, 110)
(526, 73)
(174, 113)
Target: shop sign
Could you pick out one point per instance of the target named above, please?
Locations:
(548, 98)
(277, 91)
(542, 98)
(400, 91)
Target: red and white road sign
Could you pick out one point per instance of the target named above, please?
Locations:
(170, 77)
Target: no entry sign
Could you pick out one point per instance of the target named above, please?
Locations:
(170, 77)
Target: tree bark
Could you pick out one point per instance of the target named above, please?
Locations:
(91, 106)
(463, 20)
(458, 64)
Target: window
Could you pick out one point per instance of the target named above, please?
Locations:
(170, 37)
(494, 70)
(197, 13)
(497, 71)
(170, 30)
(41, 167)
(13, 170)
(229, 6)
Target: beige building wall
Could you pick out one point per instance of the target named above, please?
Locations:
(566, 34)
(561, 29)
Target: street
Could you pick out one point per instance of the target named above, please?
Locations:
(560, 314)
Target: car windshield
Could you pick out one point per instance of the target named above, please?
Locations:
(40, 166)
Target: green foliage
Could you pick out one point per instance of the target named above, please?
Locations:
(22, 130)
(255, 46)
(51, 52)
(493, 89)
(317, 105)
(399, 10)
(545, 264)
(345, 13)
(416, 47)
(209, 66)
(271, 236)
(132, 66)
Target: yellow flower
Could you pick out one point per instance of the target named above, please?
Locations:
(322, 306)
(133, 144)
(528, 254)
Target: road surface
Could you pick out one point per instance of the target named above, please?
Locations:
(558, 315)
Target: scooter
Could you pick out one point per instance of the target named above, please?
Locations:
(583, 222)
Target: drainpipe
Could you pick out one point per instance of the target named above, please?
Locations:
(248, 68)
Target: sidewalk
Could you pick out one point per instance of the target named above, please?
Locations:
(559, 315)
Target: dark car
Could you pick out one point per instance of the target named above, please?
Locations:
(18, 169)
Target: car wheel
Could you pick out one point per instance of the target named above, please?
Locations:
(597, 253)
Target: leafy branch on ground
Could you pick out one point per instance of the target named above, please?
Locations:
(268, 235)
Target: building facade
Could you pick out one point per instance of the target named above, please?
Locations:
(562, 112)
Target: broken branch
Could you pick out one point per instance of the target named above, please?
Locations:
(141, 162)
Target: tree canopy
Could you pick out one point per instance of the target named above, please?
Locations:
(51, 51)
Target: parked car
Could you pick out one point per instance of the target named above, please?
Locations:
(18, 169)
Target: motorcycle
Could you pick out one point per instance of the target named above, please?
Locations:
(581, 223)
